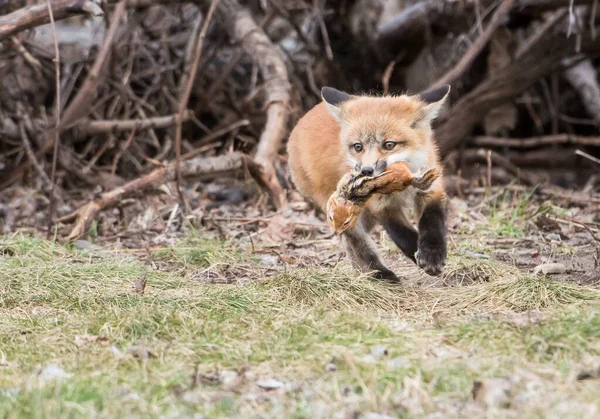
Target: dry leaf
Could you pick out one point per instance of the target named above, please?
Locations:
(279, 229)
(269, 384)
(139, 286)
(85, 339)
(550, 269)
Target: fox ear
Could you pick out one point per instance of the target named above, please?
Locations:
(434, 99)
(334, 99)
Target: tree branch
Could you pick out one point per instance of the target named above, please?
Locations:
(503, 85)
(243, 29)
(38, 15)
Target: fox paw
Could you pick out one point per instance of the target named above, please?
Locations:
(431, 259)
(386, 275)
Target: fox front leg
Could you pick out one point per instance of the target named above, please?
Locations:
(432, 247)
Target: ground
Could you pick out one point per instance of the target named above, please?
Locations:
(225, 321)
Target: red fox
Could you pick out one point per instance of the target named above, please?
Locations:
(366, 134)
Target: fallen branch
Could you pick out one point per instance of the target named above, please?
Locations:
(88, 127)
(481, 155)
(485, 141)
(534, 38)
(81, 103)
(505, 84)
(587, 156)
(213, 166)
(549, 158)
(409, 27)
(466, 60)
(243, 29)
(31, 155)
(187, 82)
(38, 15)
(584, 79)
(56, 118)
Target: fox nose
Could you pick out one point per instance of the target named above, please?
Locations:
(367, 171)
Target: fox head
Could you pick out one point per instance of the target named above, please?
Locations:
(378, 131)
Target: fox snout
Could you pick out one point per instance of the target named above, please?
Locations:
(371, 169)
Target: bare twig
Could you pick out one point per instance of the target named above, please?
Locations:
(87, 127)
(57, 120)
(571, 18)
(587, 156)
(212, 166)
(80, 105)
(577, 223)
(385, 79)
(121, 151)
(498, 160)
(506, 83)
(323, 28)
(39, 14)
(30, 59)
(214, 135)
(31, 155)
(242, 28)
(532, 40)
(593, 10)
(536, 141)
(465, 62)
(187, 90)
(584, 79)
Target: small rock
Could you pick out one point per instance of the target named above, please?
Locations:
(139, 286)
(398, 363)
(115, 351)
(269, 259)
(371, 415)
(493, 392)
(331, 367)
(231, 380)
(379, 351)
(368, 359)
(553, 236)
(53, 372)
(122, 391)
(193, 397)
(550, 269)
(84, 244)
(269, 384)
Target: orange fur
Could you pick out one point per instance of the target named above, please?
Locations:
(319, 147)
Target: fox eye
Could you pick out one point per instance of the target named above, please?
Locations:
(389, 145)
(358, 147)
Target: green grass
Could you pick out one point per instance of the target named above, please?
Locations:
(508, 213)
(311, 328)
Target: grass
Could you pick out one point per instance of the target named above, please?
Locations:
(319, 331)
